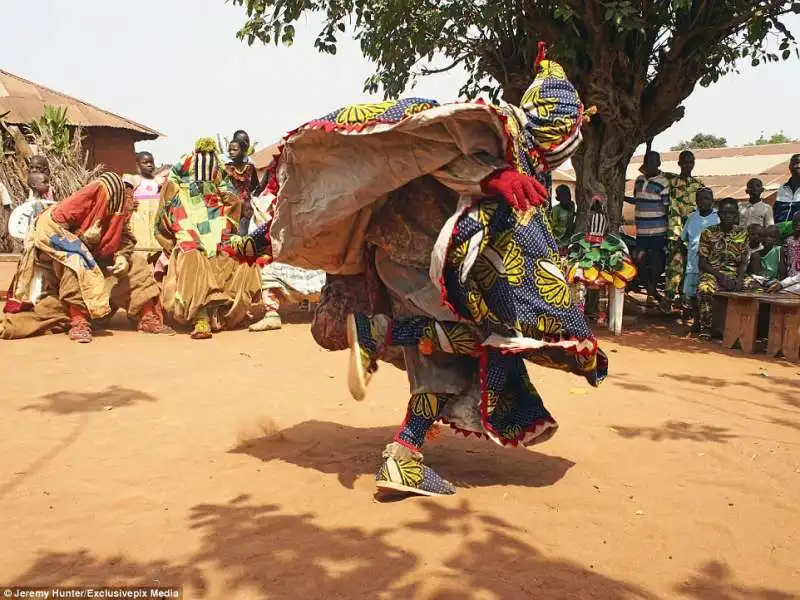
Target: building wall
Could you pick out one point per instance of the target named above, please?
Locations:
(113, 148)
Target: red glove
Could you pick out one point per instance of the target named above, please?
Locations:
(519, 191)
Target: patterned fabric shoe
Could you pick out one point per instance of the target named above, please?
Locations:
(363, 339)
(202, 330)
(81, 332)
(153, 324)
(402, 470)
(270, 322)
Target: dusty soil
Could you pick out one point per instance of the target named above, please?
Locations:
(240, 468)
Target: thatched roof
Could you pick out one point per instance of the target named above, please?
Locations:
(25, 100)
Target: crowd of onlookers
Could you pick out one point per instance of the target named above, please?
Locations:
(689, 246)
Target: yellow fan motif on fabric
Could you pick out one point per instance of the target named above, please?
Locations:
(551, 70)
(479, 309)
(532, 100)
(551, 284)
(486, 210)
(363, 113)
(502, 258)
(499, 405)
(549, 325)
(425, 405)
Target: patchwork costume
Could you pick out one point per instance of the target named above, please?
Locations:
(199, 212)
(420, 203)
(83, 248)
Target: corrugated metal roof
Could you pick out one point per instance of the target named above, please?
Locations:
(263, 157)
(25, 101)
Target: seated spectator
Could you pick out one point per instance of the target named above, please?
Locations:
(754, 247)
(791, 261)
(769, 268)
(723, 262)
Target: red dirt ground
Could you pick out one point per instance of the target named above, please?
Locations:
(240, 468)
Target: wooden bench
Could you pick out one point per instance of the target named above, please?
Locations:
(741, 322)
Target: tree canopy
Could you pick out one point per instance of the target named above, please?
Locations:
(701, 140)
(636, 60)
(775, 138)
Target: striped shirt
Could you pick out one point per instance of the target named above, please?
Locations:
(651, 197)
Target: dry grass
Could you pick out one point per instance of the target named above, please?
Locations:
(68, 171)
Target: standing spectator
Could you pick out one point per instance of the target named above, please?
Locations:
(701, 219)
(562, 216)
(651, 198)
(756, 211)
(787, 203)
(683, 190)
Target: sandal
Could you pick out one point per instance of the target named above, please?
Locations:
(80, 332)
(153, 324)
(202, 330)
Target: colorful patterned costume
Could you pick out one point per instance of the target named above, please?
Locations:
(682, 203)
(75, 242)
(199, 211)
(725, 253)
(598, 260)
(473, 286)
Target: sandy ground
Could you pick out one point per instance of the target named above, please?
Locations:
(241, 468)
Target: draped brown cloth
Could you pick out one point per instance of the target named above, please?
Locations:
(195, 281)
(49, 315)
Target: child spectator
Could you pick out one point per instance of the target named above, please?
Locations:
(769, 267)
(756, 211)
(23, 218)
(701, 219)
(146, 193)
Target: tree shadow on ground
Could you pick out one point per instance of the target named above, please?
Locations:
(659, 336)
(68, 403)
(716, 581)
(350, 452)
(260, 551)
(83, 569)
(677, 430)
(772, 386)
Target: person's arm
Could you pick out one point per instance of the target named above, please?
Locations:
(785, 283)
(637, 187)
(705, 250)
(254, 183)
(571, 222)
(163, 232)
(782, 266)
(769, 218)
(755, 263)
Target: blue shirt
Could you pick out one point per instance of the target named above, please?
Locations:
(651, 197)
(695, 224)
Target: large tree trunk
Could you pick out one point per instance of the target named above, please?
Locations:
(600, 165)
